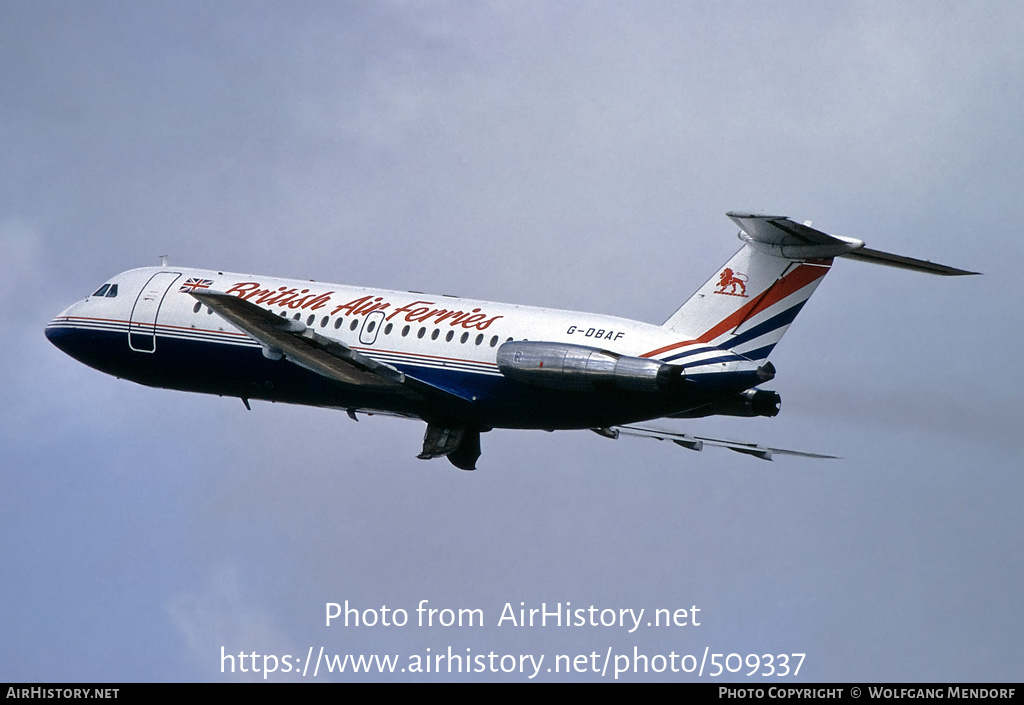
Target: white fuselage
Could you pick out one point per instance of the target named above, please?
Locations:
(152, 331)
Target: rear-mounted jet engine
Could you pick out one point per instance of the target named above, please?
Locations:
(583, 368)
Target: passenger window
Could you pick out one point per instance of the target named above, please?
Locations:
(387, 328)
(420, 333)
(355, 324)
(451, 334)
(464, 338)
(480, 339)
(310, 319)
(433, 336)
(323, 322)
(494, 341)
(195, 309)
(405, 331)
(337, 323)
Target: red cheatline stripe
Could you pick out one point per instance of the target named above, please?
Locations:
(790, 284)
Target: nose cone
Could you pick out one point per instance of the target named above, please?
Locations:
(60, 335)
(72, 334)
(59, 330)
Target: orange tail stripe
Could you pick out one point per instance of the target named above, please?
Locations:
(790, 284)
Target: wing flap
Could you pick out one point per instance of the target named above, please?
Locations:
(698, 442)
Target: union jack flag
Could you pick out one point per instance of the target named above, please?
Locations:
(193, 284)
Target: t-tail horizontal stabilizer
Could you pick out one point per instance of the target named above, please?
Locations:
(782, 237)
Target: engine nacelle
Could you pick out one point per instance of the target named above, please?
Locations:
(583, 368)
(753, 402)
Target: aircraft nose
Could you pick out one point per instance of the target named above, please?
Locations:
(60, 332)
(66, 332)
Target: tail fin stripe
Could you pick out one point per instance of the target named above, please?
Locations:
(788, 285)
(797, 279)
(667, 348)
(773, 323)
(759, 353)
(700, 350)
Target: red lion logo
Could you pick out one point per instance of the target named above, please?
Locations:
(729, 279)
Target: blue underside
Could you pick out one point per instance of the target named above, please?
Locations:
(243, 371)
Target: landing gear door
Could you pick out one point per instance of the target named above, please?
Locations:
(142, 326)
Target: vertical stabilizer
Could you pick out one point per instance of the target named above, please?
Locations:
(747, 306)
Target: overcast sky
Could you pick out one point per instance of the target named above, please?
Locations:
(564, 154)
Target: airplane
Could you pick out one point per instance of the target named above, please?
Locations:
(465, 366)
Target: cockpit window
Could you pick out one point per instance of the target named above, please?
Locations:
(107, 290)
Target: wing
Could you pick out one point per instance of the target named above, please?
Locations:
(698, 442)
(295, 341)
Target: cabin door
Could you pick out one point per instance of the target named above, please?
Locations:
(142, 326)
